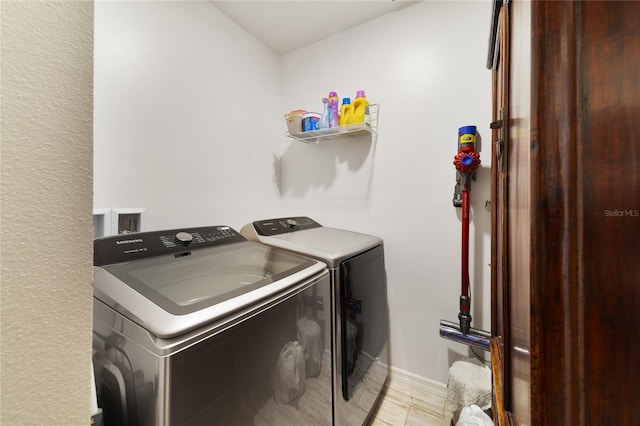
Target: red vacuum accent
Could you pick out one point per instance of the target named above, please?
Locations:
(465, 242)
(466, 162)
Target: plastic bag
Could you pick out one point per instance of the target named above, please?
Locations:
(310, 338)
(473, 415)
(290, 372)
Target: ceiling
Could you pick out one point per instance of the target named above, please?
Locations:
(285, 26)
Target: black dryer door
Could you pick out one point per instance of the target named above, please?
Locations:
(363, 304)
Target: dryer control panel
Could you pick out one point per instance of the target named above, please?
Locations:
(284, 225)
(128, 247)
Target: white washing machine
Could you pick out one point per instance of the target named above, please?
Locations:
(200, 326)
(359, 306)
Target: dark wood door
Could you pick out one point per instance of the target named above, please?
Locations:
(499, 63)
(511, 171)
(567, 238)
(585, 263)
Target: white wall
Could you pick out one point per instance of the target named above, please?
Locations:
(46, 229)
(188, 124)
(187, 107)
(424, 65)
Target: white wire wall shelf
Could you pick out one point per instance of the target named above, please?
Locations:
(368, 127)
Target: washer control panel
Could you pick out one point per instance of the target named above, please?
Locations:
(127, 247)
(284, 225)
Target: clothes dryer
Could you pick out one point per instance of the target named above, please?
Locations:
(200, 326)
(359, 306)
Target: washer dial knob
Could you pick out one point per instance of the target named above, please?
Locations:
(184, 238)
(292, 223)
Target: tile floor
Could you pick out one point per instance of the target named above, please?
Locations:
(405, 406)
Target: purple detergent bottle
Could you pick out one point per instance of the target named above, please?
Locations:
(334, 110)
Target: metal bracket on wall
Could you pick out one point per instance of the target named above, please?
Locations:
(457, 191)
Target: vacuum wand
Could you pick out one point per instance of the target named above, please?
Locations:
(465, 299)
(466, 162)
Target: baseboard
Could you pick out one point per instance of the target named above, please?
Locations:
(437, 389)
(427, 395)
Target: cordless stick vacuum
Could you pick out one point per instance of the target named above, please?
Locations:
(466, 162)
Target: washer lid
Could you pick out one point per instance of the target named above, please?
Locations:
(171, 294)
(329, 245)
